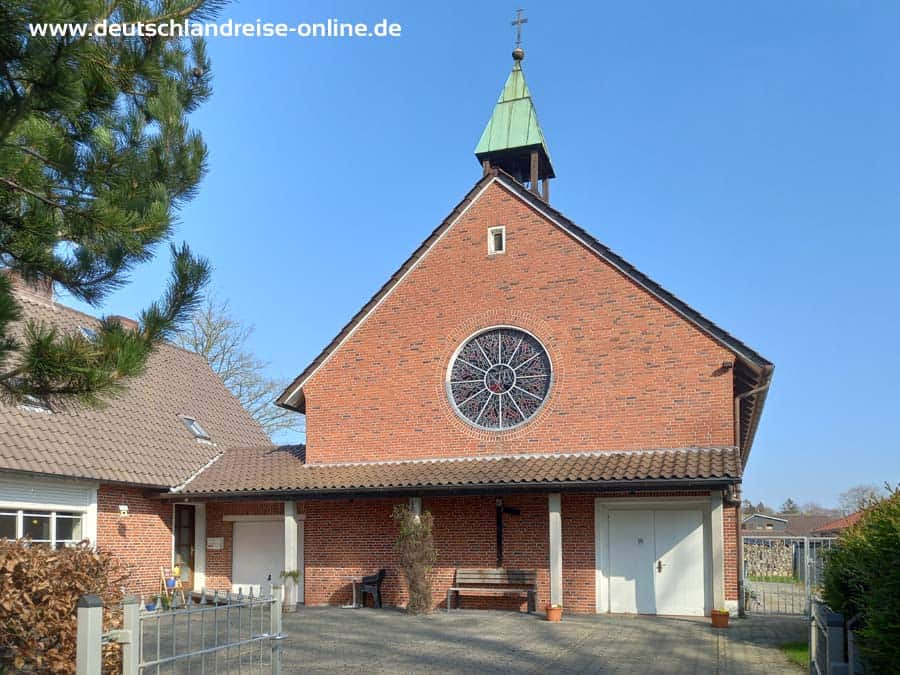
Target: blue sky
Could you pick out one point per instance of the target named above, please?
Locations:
(744, 155)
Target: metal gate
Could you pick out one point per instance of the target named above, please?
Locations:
(781, 574)
(223, 634)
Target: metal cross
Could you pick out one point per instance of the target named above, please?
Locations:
(518, 24)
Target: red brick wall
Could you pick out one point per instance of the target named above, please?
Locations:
(731, 525)
(351, 537)
(142, 540)
(218, 563)
(579, 554)
(356, 537)
(348, 537)
(629, 372)
(466, 536)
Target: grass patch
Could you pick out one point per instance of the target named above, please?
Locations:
(774, 579)
(797, 652)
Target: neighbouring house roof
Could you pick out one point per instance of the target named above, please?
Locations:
(137, 437)
(257, 471)
(764, 515)
(797, 526)
(839, 525)
(752, 371)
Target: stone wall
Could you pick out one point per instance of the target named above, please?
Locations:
(769, 558)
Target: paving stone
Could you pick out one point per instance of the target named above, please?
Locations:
(390, 641)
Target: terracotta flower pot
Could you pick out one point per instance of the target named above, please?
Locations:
(719, 618)
(554, 613)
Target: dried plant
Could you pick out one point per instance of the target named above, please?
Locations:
(40, 590)
(415, 545)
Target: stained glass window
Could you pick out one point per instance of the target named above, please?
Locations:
(499, 378)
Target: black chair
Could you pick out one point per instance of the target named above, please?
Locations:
(372, 585)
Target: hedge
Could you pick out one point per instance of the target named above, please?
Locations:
(40, 589)
(862, 579)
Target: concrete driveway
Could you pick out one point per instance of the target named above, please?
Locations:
(766, 597)
(389, 641)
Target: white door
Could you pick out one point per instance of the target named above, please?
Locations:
(631, 562)
(656, 562)
(680, 582)
(258, 557)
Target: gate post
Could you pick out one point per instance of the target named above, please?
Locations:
(88, 652)
(131, 622)
(806, 585)
(275, 629)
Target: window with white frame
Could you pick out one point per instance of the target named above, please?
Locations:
(496, 240)
(54, 528)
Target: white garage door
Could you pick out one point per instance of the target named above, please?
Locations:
(656, 562)
(258, 556)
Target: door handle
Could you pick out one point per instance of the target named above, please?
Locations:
(659, 566)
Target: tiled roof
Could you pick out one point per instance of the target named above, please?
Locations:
(283, 469)
(137, 437)
(797, 526)
(839, 524)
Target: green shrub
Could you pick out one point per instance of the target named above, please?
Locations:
(39, 590)
(862, 579)
(415, 546)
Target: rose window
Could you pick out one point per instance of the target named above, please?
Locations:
(499, 378)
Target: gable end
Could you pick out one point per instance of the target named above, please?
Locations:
(752, 371)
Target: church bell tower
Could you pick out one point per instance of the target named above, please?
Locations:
(513, 140)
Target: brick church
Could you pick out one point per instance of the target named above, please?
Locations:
(550, 405)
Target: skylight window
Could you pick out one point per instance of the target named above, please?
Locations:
(195, 428)
(89, 333)
(33, 403)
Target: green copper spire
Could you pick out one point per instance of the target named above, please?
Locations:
(513, 131)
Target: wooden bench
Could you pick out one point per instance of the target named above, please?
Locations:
(495, 581)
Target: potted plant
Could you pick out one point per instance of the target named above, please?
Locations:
(554, 612)
(720, 618)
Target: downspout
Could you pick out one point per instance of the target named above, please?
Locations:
(740, 538)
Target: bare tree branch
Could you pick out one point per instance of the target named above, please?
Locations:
(859, 497)
(214, 333)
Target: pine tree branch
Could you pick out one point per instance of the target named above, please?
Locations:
(20, 188)
(32, 153)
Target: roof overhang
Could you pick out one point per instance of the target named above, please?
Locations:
(597, 487)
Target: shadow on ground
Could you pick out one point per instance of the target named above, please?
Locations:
(368, 640)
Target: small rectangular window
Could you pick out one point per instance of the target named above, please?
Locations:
(496, 240)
